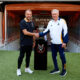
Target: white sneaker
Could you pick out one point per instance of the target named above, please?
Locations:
(28, 70)
(18, 72)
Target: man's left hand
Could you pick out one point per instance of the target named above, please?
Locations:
(64, 45)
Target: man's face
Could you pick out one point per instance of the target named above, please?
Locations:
(55, 15)
(28, 15)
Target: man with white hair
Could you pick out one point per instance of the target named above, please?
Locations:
(57, 28)
(27, 40)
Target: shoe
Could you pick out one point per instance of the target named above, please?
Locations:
(18, 72)
(63, 73)
(54, 71)
(28, 70)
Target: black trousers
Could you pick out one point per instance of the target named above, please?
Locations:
(23, 50)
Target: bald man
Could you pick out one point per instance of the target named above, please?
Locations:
(58, 30)
(27, 41)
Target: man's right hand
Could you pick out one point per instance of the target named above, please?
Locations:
(36, 35)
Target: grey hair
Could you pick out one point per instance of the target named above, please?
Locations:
(55, 10)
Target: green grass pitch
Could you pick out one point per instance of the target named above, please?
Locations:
(8, 67)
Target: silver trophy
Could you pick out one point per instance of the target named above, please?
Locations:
(41, 28)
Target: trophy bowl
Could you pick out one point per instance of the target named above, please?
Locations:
(41, 28)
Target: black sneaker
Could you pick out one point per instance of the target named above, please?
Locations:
(63, 73)
(54, 71)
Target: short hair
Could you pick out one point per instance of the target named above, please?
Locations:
(28, 10)
(55, 10)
